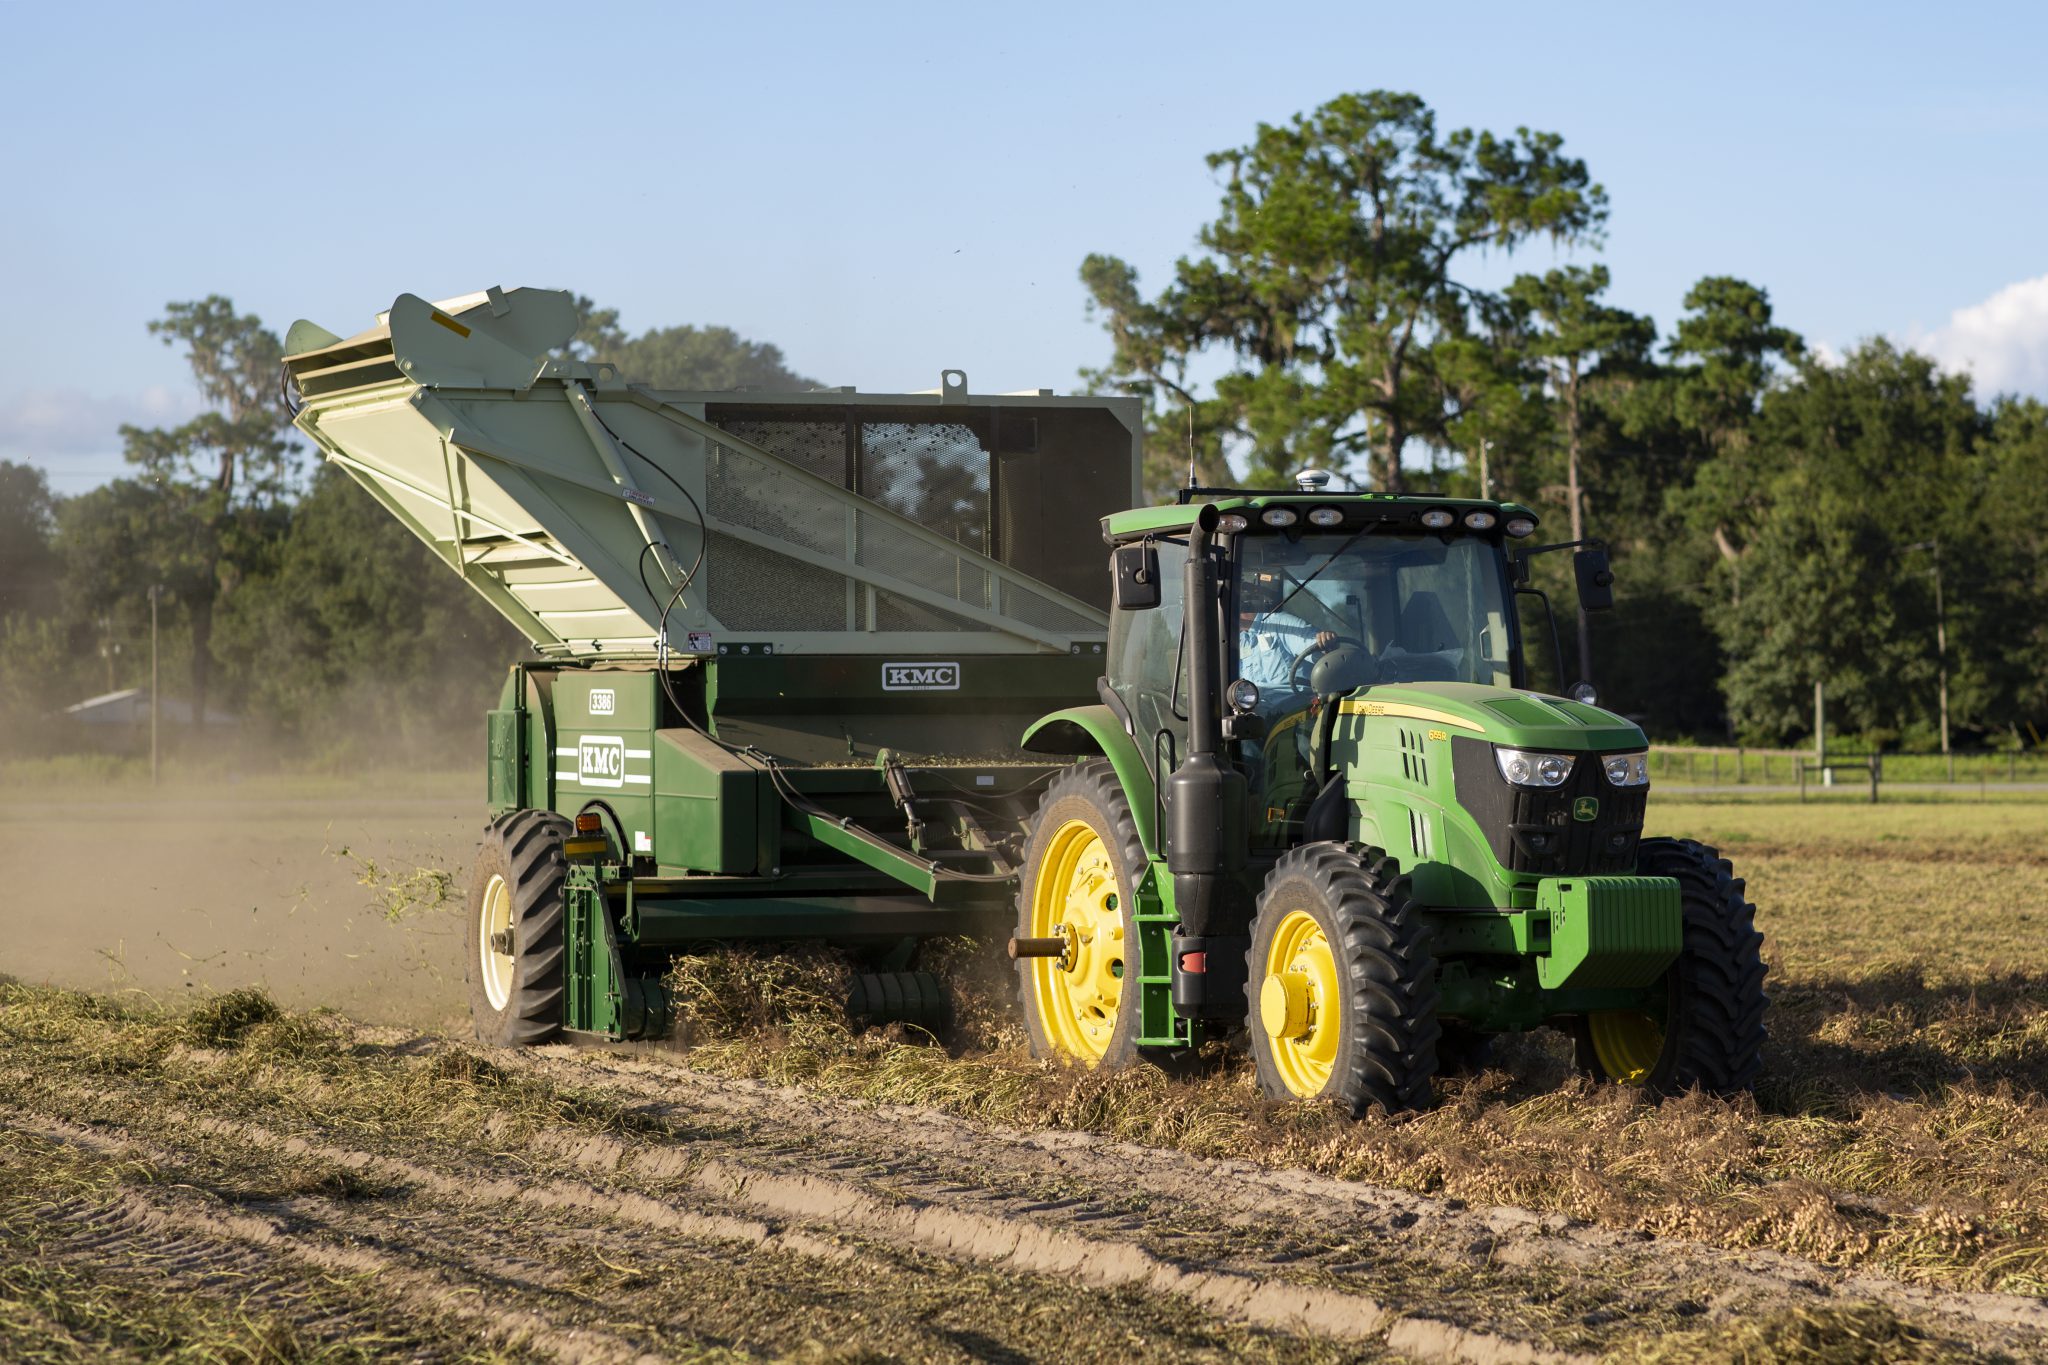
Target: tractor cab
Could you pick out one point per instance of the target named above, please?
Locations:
(1320, 596)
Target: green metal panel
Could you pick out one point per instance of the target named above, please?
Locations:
(708, 806)
(502, 764)
(599, 997)
(604, 748)
(681, 921)
(1609, 931)
(537, 686)
(1095, 729)
(1159, 1024)
(834, 709)
(505, 748)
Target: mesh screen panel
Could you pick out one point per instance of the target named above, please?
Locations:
(885, 549)
(819, 447)
(757, 589)
(900, 613)
(757, 495)
(935, 473)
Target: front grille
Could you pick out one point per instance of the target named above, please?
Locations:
(1531, 829)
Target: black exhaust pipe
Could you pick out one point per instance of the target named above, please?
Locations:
(1205, 813)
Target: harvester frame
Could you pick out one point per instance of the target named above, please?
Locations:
(766, 625)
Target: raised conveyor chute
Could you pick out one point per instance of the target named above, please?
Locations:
(837, 522)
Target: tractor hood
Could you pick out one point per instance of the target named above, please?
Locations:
(1502, 715)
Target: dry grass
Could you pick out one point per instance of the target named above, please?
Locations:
(1857, 1335)
(1903, 1122)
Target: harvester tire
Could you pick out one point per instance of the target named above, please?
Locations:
(1082, 865)
(1713, 1027)
(1359, 1025)
(515, 998)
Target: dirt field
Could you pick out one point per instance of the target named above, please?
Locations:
(206, 888)
(239, 1184)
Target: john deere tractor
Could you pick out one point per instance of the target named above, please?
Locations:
(1321, 803)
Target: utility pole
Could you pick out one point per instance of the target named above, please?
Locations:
(1940, 634)
(155, 704)
(1820, 723)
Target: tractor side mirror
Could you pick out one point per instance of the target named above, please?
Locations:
(1134, 573)
(1596, 580)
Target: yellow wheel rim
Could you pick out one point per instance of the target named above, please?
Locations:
(1626, 1043)
(1076, 896)
(495, 917)
(1300, 1004)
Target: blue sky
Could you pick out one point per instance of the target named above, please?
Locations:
(886, 190)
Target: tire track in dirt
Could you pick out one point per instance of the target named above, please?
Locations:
(1254, 1198)
(182, 1238)
(1002, 1243)
(368, 1227)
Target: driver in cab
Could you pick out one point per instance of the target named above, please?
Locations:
(1270, 640)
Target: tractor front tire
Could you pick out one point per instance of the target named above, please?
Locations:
(1342, 985)
(513, 949)
(1082, 866)
(1709, 1033)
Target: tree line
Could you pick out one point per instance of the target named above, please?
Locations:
(1778, 517)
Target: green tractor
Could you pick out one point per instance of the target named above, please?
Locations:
(1373, 848)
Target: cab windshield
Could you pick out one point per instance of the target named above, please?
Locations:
(1424, 607)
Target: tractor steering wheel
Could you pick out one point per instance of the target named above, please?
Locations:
(1294, 681)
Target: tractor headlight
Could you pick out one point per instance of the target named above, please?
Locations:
(1436, 518)
(1326, 516)
(1519, 527)
(1243, 696)
(1479, 521)
(1231, 521)
(1527, 769)
(1279, 516)
(1628, 770)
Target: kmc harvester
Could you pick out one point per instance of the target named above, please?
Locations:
(838, 667)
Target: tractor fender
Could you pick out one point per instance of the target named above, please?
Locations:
(1096, 730)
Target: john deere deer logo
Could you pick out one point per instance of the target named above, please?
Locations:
(1586, 808)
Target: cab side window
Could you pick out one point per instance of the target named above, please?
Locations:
(1145, 666)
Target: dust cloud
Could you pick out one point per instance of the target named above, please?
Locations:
(193, 889)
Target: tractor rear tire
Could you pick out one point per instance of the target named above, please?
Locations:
(515, 996)
(1711, 1036)
(1341, 987)
(1082, 866)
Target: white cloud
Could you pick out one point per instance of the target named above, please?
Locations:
(2002, 341)
(43, 423)
(75, 437)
